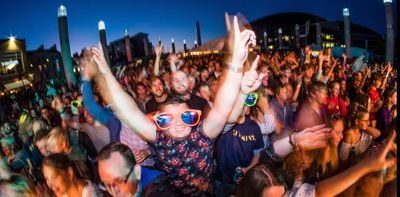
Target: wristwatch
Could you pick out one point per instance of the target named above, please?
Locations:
(235, 69)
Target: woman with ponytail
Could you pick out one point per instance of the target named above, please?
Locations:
(358, 136)
(68, 178)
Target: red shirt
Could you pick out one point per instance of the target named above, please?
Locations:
(374, 96)
(342, 109)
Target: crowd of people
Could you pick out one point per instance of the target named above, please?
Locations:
(239, 123)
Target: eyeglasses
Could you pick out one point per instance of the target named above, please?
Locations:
(251, 99)
(119, 180)
(336, 116)
(189, 117)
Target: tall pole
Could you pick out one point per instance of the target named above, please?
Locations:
(318, 36)
(65, 48)
(173, 45)
(128, 46)
(297, 34)
(103, 40)
(346, 20)
(280, 38)
(389, 31)
(184, 46)
(198, 36)
(265, 40)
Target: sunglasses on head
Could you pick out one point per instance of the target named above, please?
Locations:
(189, 118)
(251, 99)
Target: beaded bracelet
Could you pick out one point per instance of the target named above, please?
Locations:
(293, 142)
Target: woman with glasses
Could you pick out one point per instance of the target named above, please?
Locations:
(66, 177)
(358, 137)
(261, 181)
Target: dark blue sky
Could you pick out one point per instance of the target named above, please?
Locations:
(36, 20)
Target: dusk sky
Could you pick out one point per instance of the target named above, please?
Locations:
(36, 20)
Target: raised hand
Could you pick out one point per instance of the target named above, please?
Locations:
(57, 104)
(89, 68)
(173, 58)
(159, 49)
(251, 80)
(98, 57)
(380, 161)
(389, 67)
(238, 42)
(313, 138)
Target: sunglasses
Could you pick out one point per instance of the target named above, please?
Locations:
(251, 99)
(189, 118)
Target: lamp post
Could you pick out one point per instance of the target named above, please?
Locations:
(389, 31)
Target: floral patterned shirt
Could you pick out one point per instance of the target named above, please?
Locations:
(188, 162)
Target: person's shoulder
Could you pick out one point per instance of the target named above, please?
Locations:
(196, 98)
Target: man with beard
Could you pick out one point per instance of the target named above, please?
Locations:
(159, 95)
(180, 84)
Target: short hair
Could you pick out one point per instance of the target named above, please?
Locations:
(278, 88)
(316, 86)
(58, 133)
(154, 78)
(172, 99)
(122, 149)
(41, 134)
(377, 77)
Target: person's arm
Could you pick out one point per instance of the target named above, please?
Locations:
(158, 51)
(125, 108)
(320, 62)
(389, 69)
(372, 163)
(239, 104)
(173, 59)
(373, 132)
(237, 108)
(331, 70)
(254, 161)
(298, 87)
(229, 89)
(90, 104)
(307, 139)
(363, 80)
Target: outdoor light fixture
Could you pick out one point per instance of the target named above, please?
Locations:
(62, 11)
(101, 25)
(346, 12)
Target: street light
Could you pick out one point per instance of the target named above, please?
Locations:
(12, 38)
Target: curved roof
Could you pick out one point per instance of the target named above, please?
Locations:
(287, 18)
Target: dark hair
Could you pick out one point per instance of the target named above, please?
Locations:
(172, 99)
(255, 181)
(40, 135)
(122, 149)
(388, 93)
(278, 88)
(154, 78)
(61, 162)
(377, 77)
(356, 111)
(362, 99)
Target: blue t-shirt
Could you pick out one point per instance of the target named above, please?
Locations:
(148, 175)
(235, 149)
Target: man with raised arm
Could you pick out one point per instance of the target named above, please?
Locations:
(183, 143)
